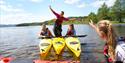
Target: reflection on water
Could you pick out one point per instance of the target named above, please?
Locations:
(22, 42)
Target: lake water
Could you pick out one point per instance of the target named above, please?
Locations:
(22, 42)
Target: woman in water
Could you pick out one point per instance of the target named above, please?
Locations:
(105, 31)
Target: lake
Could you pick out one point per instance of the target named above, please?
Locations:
(22, 42)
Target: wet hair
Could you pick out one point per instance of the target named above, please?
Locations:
(107, 28)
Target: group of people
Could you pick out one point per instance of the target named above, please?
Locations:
(103, 28)
(58, 26)
(46, 32)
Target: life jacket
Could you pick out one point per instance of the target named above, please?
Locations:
(44, 33)
(119, 40)
(120, 49)
(71, 32)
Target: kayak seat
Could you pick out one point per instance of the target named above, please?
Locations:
(45, 44)
(78, 49)
(59, 43)
(42, 49)
(73, 42)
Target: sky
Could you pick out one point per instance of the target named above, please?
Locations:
(28, 11)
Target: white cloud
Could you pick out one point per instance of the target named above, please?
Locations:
(71, 1)
(36, 1)
(19, 18)
(9, 8)
(110, 2)
(52, 0)
(14, 15)
(1, 2)
(77, 3)
(4, 7)
(81, 5)
(99, 3)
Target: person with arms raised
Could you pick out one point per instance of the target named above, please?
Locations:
(58, 23)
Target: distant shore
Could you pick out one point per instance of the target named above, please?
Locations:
(64, 23)
(51, 22)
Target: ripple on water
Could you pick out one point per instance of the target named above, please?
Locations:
(23, 43)
(32, 52)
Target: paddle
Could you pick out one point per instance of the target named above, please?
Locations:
(43, 37)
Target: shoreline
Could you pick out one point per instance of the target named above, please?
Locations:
(121, 24)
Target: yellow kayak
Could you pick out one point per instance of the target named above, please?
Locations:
(45, 46)
(58, 44)
(74, 45)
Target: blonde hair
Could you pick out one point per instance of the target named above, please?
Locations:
(44, 27)
(111, 41)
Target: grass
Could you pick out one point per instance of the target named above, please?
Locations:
(116, 22)
(69, 22)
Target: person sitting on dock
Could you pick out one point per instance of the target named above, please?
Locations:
(45, 31)
(71, 31)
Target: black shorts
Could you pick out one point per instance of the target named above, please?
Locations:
(57, 30)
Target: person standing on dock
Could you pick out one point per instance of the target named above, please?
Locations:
(58, 23)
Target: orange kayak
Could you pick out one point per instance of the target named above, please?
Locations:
(45, 61)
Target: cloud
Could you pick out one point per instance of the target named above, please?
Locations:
(52, 0)
(14, 15)
(77, 3)
(36, 1)
(110, 3)
(19, 18)
(9, 8)
(4, 7)
(81, 5)
(2, 2)
(99, 3)
(71, 1)
(96, 3)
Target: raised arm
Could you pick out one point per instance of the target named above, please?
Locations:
(95, 27)
(57, 15)
(66, 19)
(72, 19)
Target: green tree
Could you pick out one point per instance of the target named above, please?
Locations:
(85, 19)
(93, 17)
(103, 12)
(119, 10)
(111, 15)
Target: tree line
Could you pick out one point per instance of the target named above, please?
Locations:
(114, 13)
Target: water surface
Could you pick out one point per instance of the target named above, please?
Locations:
(22, 42)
